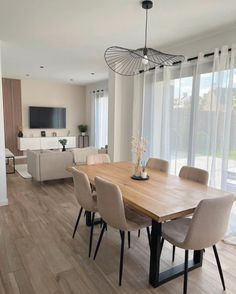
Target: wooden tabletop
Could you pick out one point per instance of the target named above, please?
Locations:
(162, 197)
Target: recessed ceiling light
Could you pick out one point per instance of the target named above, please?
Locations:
(41, 66)
(92, 73)
(27, 75)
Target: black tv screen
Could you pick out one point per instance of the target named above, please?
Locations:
(47, 117)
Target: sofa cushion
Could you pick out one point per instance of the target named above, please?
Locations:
(80, 154)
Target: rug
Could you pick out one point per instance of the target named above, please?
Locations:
(23, 171)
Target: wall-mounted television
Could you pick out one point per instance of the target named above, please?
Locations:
(47, 117)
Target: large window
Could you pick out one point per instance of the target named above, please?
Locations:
(101, 120)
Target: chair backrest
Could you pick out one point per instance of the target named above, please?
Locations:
(158, 164)
(98, 158)
(110, 204)
(82, 190)
(209, 222)
(194, 174)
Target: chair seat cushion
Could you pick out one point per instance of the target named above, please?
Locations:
(175, 231)
(136, 221)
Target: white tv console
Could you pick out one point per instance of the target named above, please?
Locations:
(43, 143)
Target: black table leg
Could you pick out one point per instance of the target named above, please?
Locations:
(154, 270)
(157, 278)
(89, 219)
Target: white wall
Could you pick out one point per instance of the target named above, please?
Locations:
(120, 117)
(203, 43)
(3, 188)
(50, 94)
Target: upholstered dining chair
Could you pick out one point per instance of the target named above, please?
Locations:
(98, 158)
(158, 164)
(207, 227)
(115, 214)
(86, 199)
(192, 174)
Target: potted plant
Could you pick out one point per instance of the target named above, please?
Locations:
(83, 129)
(63, 143)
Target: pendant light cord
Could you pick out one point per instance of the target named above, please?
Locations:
(146, 29)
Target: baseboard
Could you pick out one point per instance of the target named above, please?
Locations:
(3, 203)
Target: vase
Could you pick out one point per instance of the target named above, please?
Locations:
(137, 169)
(63, 148)
(20, 134)
(83, 133)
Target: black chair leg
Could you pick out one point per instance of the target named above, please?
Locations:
(91, 234)
(219, 266)
(186, 272)
(77, 222)
(149, 237)
(173, 253)
(99, 240)
(122, 235)
(129, 237)
(162, 243)
(139, 231)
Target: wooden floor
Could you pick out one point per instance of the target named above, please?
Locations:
(38, 255)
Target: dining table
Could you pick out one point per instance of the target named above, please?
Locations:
(163, 197)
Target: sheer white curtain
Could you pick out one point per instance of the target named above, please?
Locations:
(100, 107)
(189, 117)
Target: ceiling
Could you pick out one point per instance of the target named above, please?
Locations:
(69, 37)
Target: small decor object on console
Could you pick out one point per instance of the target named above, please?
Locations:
(63, 143)
(43, 134)
(54, 134)
(20, 133)
(139, 148)
(83, 129)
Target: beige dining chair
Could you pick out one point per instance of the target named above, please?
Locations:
(192, 174)
(207, 227)
(115, 214)
(86, 199)
(98, 159)
(158, 164)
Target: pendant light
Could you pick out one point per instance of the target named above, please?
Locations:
(129, 62)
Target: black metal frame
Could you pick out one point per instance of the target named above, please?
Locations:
(91, 217)
(83, 141)
(157, 278)
(8, 158)
(122, 236)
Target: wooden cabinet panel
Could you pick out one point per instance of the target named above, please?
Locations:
(12, 112)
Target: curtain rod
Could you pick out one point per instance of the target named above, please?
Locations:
(189, 59)
(98, 91)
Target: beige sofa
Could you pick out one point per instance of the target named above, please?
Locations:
(49, 165)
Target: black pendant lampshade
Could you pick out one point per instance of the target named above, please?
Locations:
(129, 62)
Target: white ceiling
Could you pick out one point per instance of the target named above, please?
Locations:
(69, 37)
